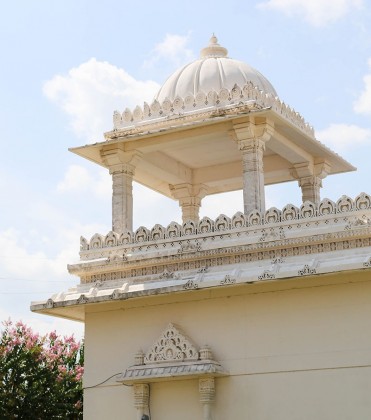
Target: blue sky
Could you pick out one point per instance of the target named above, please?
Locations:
(67, 65)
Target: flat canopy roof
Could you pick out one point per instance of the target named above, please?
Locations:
(201, 151)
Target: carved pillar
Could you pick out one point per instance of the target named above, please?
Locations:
(141, 399)
(122, 198)
(122, 167)
(189, 197)
(309, 178)
(251, 139)
(207, 396)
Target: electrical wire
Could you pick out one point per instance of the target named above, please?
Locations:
(106, 380)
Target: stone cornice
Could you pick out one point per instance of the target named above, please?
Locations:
(280, 268)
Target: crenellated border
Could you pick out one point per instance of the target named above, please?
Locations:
(223, 224)
(237, 96)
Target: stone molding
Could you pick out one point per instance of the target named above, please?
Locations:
(209, 103)
(100, 246)
(151, 269)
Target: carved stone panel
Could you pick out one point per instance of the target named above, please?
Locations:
(171, 346)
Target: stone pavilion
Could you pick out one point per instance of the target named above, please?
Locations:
(264, 314)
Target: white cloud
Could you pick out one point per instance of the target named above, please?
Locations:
(78, 179)
(15, 256)
(172, 49)
(90, 93)
(315, 12)
(363, 103)
(344, 136)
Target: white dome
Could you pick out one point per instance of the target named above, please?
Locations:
(213, 71)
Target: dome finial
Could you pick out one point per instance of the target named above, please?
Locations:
(213, 49)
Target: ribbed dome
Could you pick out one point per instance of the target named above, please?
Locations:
(212, 71)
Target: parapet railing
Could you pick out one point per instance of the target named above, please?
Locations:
(208, 100)
(224, 225)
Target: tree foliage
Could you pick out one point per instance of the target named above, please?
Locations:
(40, 376)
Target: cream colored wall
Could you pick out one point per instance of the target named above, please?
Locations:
(292, 354)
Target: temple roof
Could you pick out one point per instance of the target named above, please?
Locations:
(187, 134)
(213, 71)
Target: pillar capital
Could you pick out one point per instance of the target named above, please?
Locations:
(119, 161)
(252, 134)
(189, 197)
(309, 178)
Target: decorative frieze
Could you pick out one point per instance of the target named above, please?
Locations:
(240, 254)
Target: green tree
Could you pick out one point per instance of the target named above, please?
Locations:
(40, 376)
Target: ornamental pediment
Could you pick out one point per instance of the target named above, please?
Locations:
(172, 356)
(172, 346)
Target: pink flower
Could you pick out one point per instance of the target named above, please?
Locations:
(52, 335)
